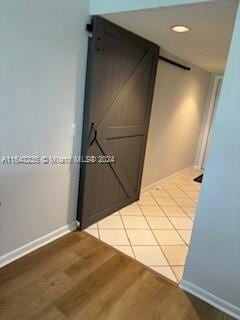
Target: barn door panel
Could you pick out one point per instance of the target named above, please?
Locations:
(120, 82)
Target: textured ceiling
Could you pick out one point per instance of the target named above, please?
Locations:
(205, 46)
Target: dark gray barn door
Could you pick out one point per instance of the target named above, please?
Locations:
(119, 90)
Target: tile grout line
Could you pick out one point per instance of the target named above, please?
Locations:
(161, 249)
(177, 205)
(190, 217)
(127, 234)
(179, 229)
(171, 224)
(174, 225)
(156, 204)
(184, 191)
(150, 229)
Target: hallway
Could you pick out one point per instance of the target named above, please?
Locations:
(156, 230)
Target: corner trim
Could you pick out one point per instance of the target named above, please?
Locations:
(37, 243)
(210, 298)
(208, 121)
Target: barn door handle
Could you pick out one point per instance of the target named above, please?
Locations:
(95, 134)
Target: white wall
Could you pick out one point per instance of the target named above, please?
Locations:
(42, 74)
(113, 6)
(213, 264)
(177, 113)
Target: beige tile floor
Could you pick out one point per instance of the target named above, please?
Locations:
(156, 230)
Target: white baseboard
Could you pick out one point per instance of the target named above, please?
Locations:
(210, 298)
(155, 184)
(35, 244)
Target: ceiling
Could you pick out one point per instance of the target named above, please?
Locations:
(205, 46)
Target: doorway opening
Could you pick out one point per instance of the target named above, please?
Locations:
(156, 228)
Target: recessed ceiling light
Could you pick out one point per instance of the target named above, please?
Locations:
(180, 29)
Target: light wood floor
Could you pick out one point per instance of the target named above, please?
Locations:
(79, 277)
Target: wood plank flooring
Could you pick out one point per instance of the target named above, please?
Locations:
(78, 277)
